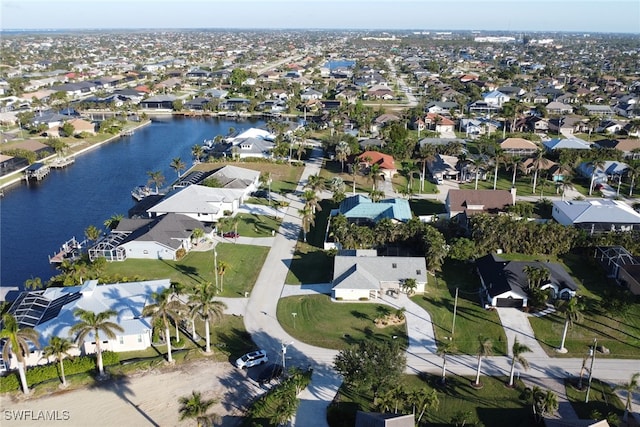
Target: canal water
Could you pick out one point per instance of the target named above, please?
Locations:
(36, 219)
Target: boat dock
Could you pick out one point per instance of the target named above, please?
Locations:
(62, 162)
(71, 250)
(37, 171)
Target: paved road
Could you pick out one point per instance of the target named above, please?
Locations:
(261, 322)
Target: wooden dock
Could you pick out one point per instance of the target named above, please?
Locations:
(62, 162)
(71, 250)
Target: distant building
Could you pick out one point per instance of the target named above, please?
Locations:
(596, 216)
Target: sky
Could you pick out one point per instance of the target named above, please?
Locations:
(609, 16)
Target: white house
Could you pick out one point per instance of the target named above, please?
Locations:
(596, 216)
(51, 313)
(206, 204)
(496, 98)
(362, 275)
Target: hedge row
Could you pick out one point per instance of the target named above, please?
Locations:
(42, 373)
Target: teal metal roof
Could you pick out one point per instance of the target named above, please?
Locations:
(362, 207)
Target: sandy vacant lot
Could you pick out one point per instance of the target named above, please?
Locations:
(142, 399)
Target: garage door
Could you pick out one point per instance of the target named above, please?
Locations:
(509, 302)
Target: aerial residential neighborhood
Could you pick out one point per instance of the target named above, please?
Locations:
(320, 227)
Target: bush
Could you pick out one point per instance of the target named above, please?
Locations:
(42, 373)
(363, 299)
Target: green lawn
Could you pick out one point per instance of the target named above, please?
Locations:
(620, 332)
(252, 225)
(601, 399)
(327, 324)
(494, 405)
(426, 206)
(244, 262)
(471, 319)
(309, 265)
(524, 184)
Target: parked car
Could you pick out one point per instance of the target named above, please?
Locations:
(254, 358)
(264, 194)
(270, 373)
(231, 234)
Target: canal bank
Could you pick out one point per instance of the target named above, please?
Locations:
(17, 176)
(39, 217)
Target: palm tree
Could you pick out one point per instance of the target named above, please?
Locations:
(315, 183)
(204, 305)
(286, 406)
(177, 165)
(178, 289)
(376, 195)
(94, 323)
(195, 406)
(498, 159)
(572, 310)
(629, 388)
(517, 357)
(409, 286)
(342, 153)
(424, 400)
(222, 269)
(374, 174)
(92, 233)
(58, 348)
(485, 348)
(538, 158)
(308, 219)
(311, 201)
(112, 222)
(355, 168)
(633, 172)
(16, 343)
(164, 308)
(544, 402)
(156, 178)
(197, 151)
(33, 283)
(592, 122)
(445, 349)
(596, 165)
(515, 162)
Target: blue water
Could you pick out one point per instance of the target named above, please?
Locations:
(36, 219)
(332, 65)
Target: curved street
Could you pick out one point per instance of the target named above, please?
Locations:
(261, 321)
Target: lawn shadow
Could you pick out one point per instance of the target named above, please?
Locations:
(121, 387)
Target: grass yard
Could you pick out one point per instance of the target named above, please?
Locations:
(244, 262)
(471, 319)
(332, 169)
(601, 399)
(494, 405)
(524, 184)
(426, 206)
(309, 265)
(619, 332)
(327, 324)
(284, 177)
(252, 225)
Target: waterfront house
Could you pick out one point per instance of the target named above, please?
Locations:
(505, 283)
(159, 102)
(362, 275)
(51, 313)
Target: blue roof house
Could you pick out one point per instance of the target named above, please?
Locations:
(362, 210)
(594, 216)
(570, 143)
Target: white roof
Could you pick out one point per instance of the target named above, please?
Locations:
(197, 199)
(600, 210)
(256, 133)
(127, 299)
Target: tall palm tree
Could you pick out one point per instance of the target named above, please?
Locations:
(355, 168)
(92, 233)
(16, 343)
(204, 305)
(592, 122)
(164, 308)
(485, 348)
(177, 165)
(538, 160)
(311, 200)
(376, 195)
(195, 406)
(58, 348)
(315, 183)
(517, 350)
(633, 172)
(426, 154)
(156, 178)
(374, 174)
(222, 269)
(514, 164)
(342, 153)
(308, 219)
(444, 350)
(572, 310)
(596, 165)
(33, 283)
(94, 323)
(498, 158)
(197, 151)
(629, 388)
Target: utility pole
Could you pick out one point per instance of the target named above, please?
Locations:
(455, 309)
(215, 266)
(593, 358)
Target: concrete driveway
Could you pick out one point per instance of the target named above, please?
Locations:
(516, 325)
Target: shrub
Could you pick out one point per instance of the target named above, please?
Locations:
(42, 373)
(363, 299)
